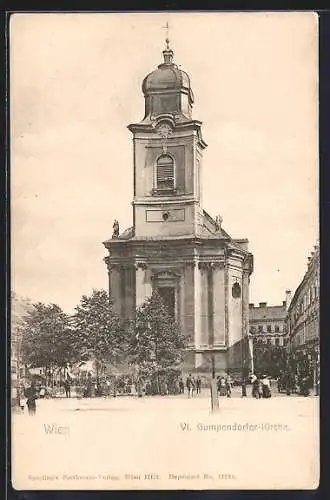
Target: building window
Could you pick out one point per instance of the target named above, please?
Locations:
(277, 341)
(252, 329)
(277, 328)
(236, 291)
(269, 341)
(269, 328)
(165, 173)
(260, 328)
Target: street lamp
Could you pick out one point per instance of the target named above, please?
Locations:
(213, 387)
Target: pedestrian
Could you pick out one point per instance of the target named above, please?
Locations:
(108, 386)
(255, 386)
(181, 386)
(266, 393)
(222, 386)
(198, 385)
(295, 382)
(189, 384)
(304, 386)
(288, 383)
(31, 396)
(165, 388)
(193, 387)
(22, 399)
(229, 383)
(244, 388)
(42, 392)
(67, 388)
(148, 388)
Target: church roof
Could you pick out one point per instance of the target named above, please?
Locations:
(167, 76)
(205, 232)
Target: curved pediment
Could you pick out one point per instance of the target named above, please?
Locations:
(166, 275)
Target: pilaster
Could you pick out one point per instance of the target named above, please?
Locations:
(115, 289)
(143, 288)
(219, 312)
(204, 304)
(188, 300)
(198, 305)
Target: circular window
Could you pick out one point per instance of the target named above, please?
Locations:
(236, 291)
(165, 216)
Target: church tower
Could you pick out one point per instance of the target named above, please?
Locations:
(168, 149)
(174, 245)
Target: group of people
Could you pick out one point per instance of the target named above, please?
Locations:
(28, 397)
(293, 383)
(225, 385)
(193, 385)
(261, 386)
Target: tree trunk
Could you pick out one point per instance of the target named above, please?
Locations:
(157, 380)
(97, 376)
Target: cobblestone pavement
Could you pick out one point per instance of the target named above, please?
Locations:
(113, 443)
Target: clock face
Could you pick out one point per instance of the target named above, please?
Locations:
(164, 130)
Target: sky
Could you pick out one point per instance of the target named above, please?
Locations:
(75, 82)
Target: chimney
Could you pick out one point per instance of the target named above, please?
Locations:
(288, 298)
(251, 306)
(262, 304)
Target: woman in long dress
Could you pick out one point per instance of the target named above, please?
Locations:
(222, 387)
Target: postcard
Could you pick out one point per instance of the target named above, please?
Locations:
(164, 251)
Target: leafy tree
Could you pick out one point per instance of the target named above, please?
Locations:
(98, 332)
(46, 340)
(157, 346)
(269, 359)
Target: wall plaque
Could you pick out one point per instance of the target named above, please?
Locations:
(166, 215)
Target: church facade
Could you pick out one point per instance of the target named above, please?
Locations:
(174, 245)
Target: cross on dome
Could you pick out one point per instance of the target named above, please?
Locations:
(168, 52)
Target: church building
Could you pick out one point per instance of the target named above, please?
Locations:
(174, 245)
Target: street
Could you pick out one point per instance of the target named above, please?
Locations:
(168, 442)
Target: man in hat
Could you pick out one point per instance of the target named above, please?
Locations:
(31, 395)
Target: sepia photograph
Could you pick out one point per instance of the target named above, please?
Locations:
(165, 251)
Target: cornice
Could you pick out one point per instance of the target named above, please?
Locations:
(156, 200)
(213, 265)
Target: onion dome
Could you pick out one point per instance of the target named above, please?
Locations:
(167, 89)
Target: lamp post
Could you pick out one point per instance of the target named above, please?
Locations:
(213, 387)
(213, 366)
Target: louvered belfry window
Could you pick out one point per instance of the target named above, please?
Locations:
(165, 172)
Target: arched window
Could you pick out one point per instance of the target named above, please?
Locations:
(165, 173)
(236, 291)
